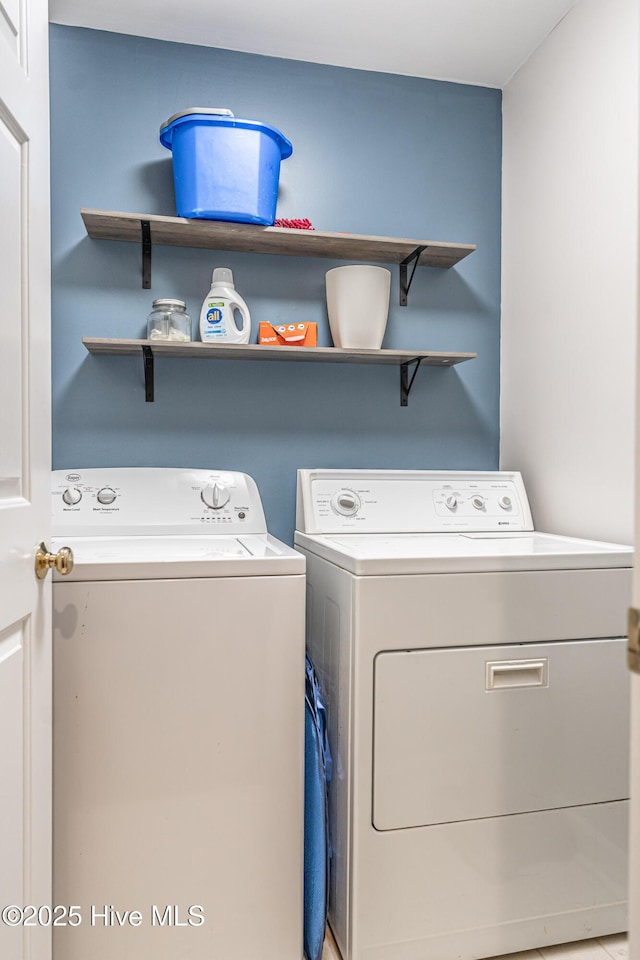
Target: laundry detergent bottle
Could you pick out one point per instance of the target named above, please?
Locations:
(217, 317)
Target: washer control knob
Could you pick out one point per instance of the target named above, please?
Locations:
(451, 502)
(346, 503)
(505, 502)
(72, 495)
(215, 495)
(106, 496)
(478, 502)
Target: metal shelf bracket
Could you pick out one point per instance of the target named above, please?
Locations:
(405, 382)
(405, 286)
(147, 361)
(145, 228)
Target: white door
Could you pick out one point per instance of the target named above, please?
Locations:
(25, 412)
(634, 852)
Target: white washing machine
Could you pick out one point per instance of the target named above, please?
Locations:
(178, 720)
(477, 693)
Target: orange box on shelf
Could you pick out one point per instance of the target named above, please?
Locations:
(289, 334)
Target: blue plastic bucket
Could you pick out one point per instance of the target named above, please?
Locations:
(224, 168)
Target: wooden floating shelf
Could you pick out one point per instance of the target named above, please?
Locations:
(149, 349)
(148, 229)
(254, 351)
(224, 235)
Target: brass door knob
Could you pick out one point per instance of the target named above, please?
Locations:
(45, 561)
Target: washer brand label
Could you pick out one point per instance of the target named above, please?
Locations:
(73, 477)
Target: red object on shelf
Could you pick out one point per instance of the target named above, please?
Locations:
(294, 224)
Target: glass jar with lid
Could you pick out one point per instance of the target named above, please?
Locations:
(169, 320)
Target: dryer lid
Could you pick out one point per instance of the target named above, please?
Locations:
(399, 554)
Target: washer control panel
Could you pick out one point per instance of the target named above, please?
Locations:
(411, 501)
(136, 501)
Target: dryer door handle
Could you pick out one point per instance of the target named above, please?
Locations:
(515, 674)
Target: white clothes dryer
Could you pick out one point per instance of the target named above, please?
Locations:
(178, 720)
(475, 677)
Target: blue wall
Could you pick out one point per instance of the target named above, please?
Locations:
(373, 153)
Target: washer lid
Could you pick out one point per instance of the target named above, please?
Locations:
(397, 554)
(159, 558)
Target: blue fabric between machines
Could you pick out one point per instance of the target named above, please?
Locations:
(317, 847)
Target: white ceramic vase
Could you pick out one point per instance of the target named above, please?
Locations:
(358, 305)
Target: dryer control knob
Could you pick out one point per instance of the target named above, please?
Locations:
(451, 502)
(505, 502)
(478, 502)
(346, 503)
(106, 496)
(72, 495)
(215, 495)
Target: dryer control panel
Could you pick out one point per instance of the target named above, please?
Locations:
(411, 501)
(139, 501)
